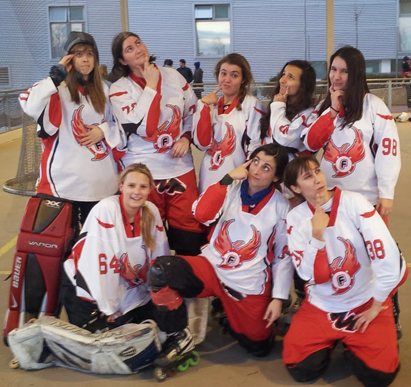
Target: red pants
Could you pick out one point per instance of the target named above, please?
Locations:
(174, 198)
(246, 315)
(312, 330)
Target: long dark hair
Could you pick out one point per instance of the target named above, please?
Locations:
(240, 61)
(304, 98)
(93, 87)
(117, 52)
(356, 84)
(280, 155)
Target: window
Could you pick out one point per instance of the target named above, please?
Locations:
(405, 27)
(63, 20)
(4, 77)
(320, 68)
(213, 30)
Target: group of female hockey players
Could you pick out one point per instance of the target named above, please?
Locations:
(241, 240)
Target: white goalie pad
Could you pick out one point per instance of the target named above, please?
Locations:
(52, 342)
(198, 310)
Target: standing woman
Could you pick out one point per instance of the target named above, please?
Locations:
(291, 107)
(227, 128)
(154, 106)
(75, 124)
(362, 149)
(342, 247)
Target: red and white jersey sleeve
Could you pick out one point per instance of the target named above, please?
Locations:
(288, 132)
(228, 137)
(154, 120)
(247, 248)
(363, 157)
(111, 261)
(68, 169)
(358, 259)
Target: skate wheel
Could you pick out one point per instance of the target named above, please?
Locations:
(14, 364)
(184, 366)
(160, 374)
(194, 360)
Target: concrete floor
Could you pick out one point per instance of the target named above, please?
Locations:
(223, 362)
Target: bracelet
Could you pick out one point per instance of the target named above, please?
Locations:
(334, 109)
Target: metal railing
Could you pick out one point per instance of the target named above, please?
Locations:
(11, 117)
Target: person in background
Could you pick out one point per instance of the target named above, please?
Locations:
(168, 63)
(198, 80)
(185, 71)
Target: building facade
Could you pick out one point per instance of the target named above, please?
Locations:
(267, 32)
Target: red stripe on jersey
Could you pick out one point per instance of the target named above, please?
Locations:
(140, 81)
(185, 88)
(153, 116)
(131, 232)
(210, 202)
(258, 110)
(369, 214)
(387, 117)
(55, 113)
(320, 132)
(45, 165)
(118, 94)
(204, 131)
(104, 225)
(260, 205)
(334, 207)
(229, 109)
(321, 267)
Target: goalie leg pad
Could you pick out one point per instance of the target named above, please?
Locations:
(123, 350)
(45, 237)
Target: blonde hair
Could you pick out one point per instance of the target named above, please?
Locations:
(147, 220)
(93, 87)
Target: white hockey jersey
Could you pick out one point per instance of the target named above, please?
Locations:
(110, 262)
(227, 137)
(248, 241)
(364, 157)
(288, 132)
(155, 120)
(359, 259)
(69, 170)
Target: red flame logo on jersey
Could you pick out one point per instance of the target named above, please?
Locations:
(99, 150)
(219, 150)
(134, 275)
(234, 254)
(347, 156)
(344, 269)
(167, 133)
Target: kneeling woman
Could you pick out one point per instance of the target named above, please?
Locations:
(109, 264)
(246, 264)
(342, 247)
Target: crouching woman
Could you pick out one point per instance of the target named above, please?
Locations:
(342, 247)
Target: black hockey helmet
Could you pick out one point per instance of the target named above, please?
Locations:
(76, 37)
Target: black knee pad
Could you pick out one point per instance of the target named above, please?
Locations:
(176, 273)
(186, 242)
(368, 376)
(312, 367)
(261, 348)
